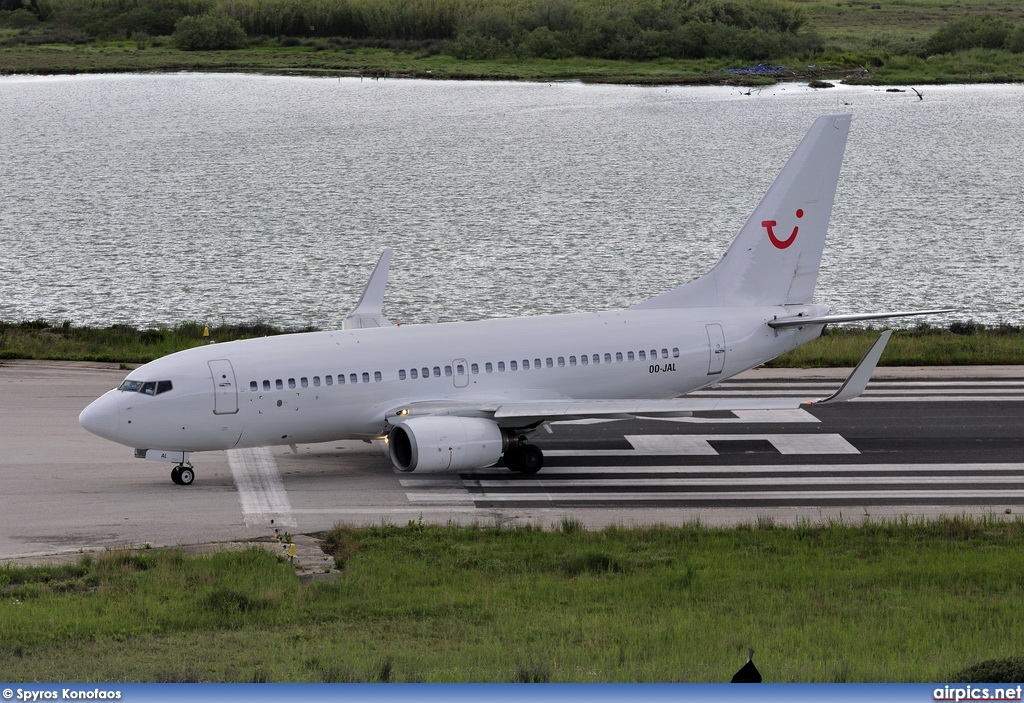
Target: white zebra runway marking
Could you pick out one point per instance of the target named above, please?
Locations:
(260, 488)
(731, 486)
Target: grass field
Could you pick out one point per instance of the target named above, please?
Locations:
(859, 600)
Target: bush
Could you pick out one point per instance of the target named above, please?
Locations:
(210, 32)
(1009, 670)
(1015, 41)
(18, 19)
(979, 32)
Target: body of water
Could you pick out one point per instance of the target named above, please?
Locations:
(157, 199)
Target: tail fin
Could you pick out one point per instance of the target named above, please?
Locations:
(774, 259)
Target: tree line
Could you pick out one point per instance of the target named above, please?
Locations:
(754, 30)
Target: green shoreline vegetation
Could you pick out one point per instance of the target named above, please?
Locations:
(902, 600)
(964, 343)
(878, 42)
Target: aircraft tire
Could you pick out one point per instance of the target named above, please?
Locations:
(531, 459)
(514, 459)
(187, 475)
(176, 475)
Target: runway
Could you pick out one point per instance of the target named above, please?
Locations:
(919, 442)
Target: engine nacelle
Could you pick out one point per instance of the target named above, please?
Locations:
(445, 443)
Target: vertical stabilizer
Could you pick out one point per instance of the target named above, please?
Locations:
(774, 259)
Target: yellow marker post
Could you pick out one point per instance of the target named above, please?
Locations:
(292, 553)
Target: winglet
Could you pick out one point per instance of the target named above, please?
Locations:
(367, 312)
(858, 379)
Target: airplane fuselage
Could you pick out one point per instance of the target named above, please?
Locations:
(322, 386)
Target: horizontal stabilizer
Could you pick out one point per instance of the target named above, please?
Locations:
(798, 321)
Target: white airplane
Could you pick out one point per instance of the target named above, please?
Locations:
(463, 395)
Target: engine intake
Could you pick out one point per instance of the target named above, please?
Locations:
(445, 443)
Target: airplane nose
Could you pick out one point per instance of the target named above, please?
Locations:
(101, 417)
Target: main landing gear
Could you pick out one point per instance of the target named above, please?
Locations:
(524, 458)
(183, 474)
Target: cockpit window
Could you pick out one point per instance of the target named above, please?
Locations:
(147, 387)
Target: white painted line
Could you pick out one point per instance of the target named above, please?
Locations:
(699, 445)
(260, 488)
(894, 496)
(440, 497)
(809, 469)
(734, 482)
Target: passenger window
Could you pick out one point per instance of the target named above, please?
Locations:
(279, 383)
(572, 361)
(266, 385)
(291, 383)
(561, 361)
(513, 366)
(607, 358)
(304, 382)
(426, 372)
(401, 374)
(366, 376)
(437, 372)
(675, 352)
(629, 356)
(536, 363)
(253, 386)
(584, 359)
(643, 355)
(549, 362)
(488, 367)
(618, 357)
(460, 369)
(316, 380)
(163, 387)
(654, 354)
(474, 368)
(341, 379)
(664, 353)
(353, 378)
(377, 376)
(448, 371)
(501, 366)
(330, 380)
(597, 358)
(413, 373)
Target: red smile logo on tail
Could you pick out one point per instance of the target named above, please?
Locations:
(781, 243)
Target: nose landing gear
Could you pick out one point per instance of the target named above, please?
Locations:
(183, 474)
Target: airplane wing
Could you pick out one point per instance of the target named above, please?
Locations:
(523, 413)
(799, 321)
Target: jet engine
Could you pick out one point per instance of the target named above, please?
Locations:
(445, 443)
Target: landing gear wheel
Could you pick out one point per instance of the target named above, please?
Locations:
(531, 459)
(524, 459)
(176, 475)
(186, 475)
